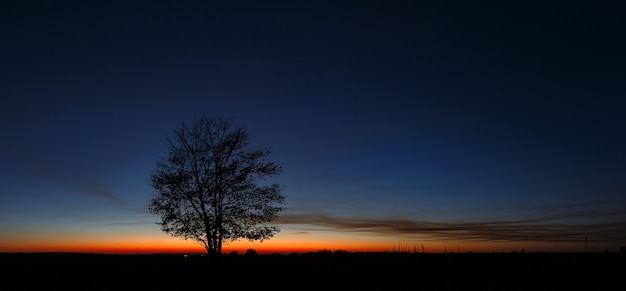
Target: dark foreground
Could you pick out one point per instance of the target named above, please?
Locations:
(389, 271)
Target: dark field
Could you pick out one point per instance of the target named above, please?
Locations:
(348, 271)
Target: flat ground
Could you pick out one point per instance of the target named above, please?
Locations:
(415, 271)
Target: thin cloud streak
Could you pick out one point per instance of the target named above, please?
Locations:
(541, 229)
(126, 223)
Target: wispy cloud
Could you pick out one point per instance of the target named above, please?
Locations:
(567, 226)
(128, 223)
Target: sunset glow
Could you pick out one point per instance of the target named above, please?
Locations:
(282, 243)
(412, 126)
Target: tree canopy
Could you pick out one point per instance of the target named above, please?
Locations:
(208, 186)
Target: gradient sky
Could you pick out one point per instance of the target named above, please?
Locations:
(472, 126)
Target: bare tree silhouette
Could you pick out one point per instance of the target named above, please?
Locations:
(206, 187)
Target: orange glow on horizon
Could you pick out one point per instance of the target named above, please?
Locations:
(268, 247)
(285, 242)
(175, 247)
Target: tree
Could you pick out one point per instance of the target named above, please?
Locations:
(208, 188)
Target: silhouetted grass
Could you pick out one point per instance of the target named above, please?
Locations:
(416, 271)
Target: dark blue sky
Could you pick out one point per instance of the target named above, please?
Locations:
(411, 120)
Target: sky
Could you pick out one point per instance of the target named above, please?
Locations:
(434, 126)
